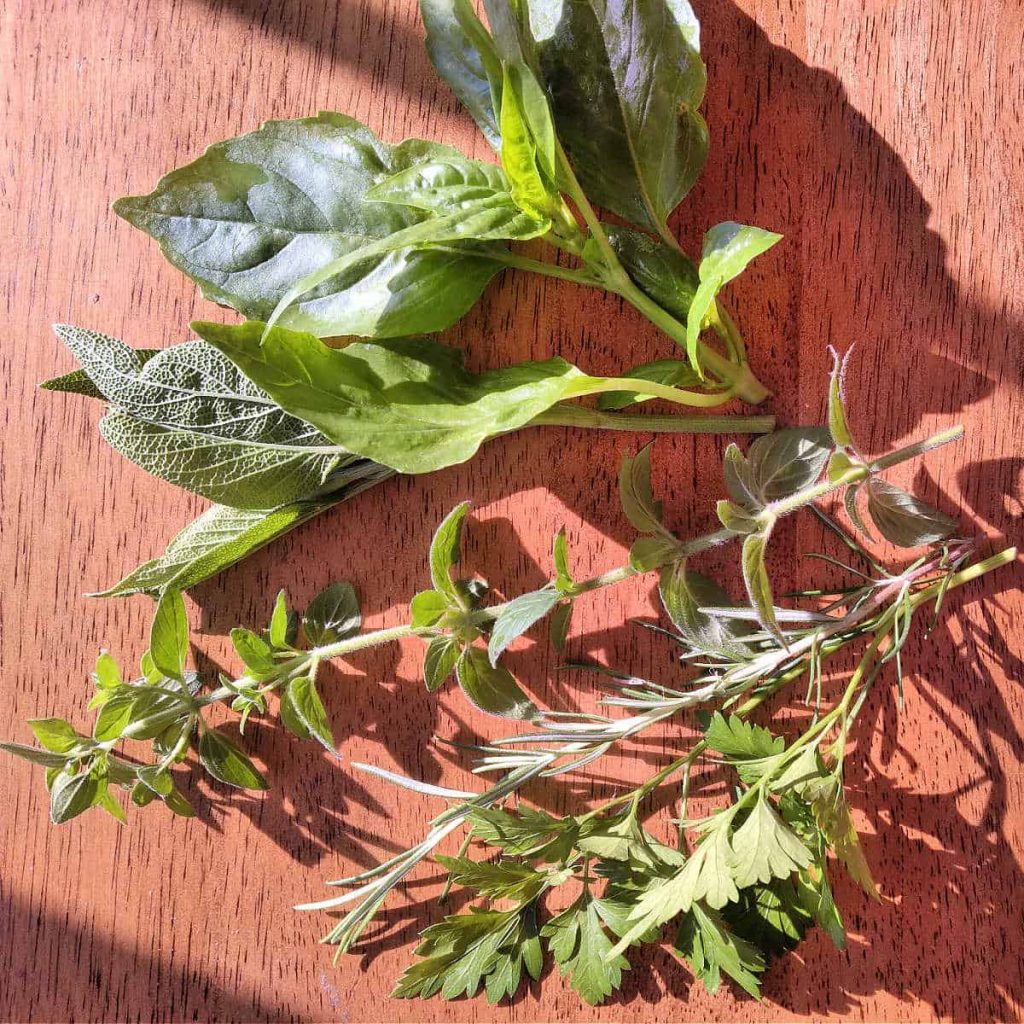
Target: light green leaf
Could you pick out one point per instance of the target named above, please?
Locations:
(764, 847)
(903, 519)
(427, 608)
(332, 615)
(257, 213)
(168, 635)
(224, 761)
(528, 144)
(517, 617)
(560, 557)
(670, 372)
(625, 83)
(408, 403)
(501, 880)
(837, 423)
(442, 185)
(580, 946)
(464, 56)
(440, 660)
(55, 734)
(279, 621)
(254, 651)
(445, 551)
(750, 749)
(492, 689)
(304, 700)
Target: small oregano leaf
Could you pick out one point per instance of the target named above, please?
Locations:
(903, 519)
(54, 734)
(254, 651)
(71, 795)
(279, 622)
(332, 615)
(440, 660)
(224, 761)
(759, 588)
(492, 689)
(445, 551)
(635, 492)
(517, 617)
(427, 608)
(308, 707)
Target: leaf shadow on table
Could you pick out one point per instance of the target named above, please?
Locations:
(77, 973)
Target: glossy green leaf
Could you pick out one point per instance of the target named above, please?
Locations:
(904, 519)
(659, 270)
(260, 212)
(625, 81)
(464, 56)
(408, 403)
(442, 184)
(728, 249)
(517, 617)
(224, 761)
(528, 144)
(332, 615)
(168, 635)
(492, 689)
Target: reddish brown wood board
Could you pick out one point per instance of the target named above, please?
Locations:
(883, 139)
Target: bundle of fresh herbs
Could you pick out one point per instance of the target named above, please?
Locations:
(317, 229)
(738, 883)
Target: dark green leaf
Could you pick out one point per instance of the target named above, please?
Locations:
(332, 615)
(684, 593)
(168, 635)
(660, 271)
(71, 795)
(903, 519)
(490, 688)
(304, 700)
(625, 81)
(517, 617)
(256, 214)
(560, 621)
(34, 754)
(502, 880)
(224, 761)
(710, 948)
(464, 56)
(580, 946)
(155, 778)
(440, 660)
(788, 460)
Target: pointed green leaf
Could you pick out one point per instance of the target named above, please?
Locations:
(168, 635)
(764, 847)
(332, 615)
(224, 761)
(903, 519)
(305, 701)
(517, 617)
(445, 552)
(492, 689)
(71, 795)
(54, 734)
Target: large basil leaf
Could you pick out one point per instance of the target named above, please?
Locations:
(189, 416)
(625, 80)
(442, 184)
(464, 56)
(223, 536)
(662, 272)
(257, 213)
(406, 403)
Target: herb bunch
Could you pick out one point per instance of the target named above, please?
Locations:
(317, 229)
(739, 882)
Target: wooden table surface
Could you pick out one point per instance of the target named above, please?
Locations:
(882, 138)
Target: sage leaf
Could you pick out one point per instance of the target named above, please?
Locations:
(307, 706)
(71, 795)
(78, 382)
(463, 54)
(168, 635)
(517, 617)
(625, 81)
(222, 536)
(440, 660)
(257, 213)
(225, 762)
(904, 519)
(405, 403)
(332, 615)
(492, 689)
(445, 552)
